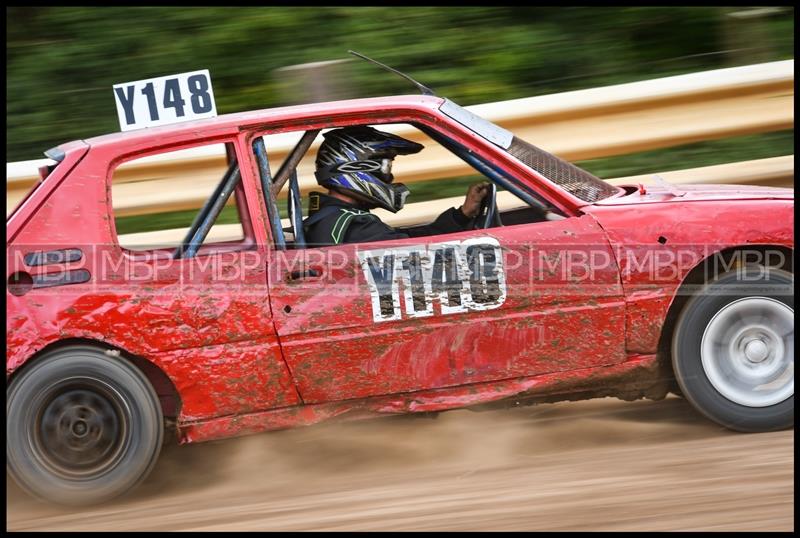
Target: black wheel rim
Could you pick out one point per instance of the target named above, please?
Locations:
(82, 429)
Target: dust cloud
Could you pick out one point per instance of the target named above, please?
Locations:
(594, 465)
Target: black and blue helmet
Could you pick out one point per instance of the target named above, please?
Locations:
(357, 161)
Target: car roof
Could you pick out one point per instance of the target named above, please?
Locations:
(232, 122)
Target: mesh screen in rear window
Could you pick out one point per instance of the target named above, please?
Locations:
(569, 177)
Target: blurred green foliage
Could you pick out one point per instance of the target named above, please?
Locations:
(62, 62)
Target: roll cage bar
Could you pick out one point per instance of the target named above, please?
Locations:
(288, 173)
(208, 213)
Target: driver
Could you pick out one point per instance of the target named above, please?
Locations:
(354, 164)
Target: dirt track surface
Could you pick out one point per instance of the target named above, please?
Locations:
(594, 465)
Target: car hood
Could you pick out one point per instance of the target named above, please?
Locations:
(695, 193)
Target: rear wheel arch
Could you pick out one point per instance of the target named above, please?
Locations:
(168, 395)
(83, 426)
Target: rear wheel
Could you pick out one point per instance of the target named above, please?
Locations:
(81, 427)
(733, 350)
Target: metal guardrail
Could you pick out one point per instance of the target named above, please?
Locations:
(578, 125)
(771, 171)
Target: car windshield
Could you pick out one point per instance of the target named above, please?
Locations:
(569, 177)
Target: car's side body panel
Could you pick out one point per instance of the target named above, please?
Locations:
(556, 276)
(658, 239)
(553, 278)
(74, 152)
(632, 378)
(205, 322)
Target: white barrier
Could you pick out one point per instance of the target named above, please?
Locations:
(576, 125)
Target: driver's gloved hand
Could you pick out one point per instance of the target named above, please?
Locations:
(475, 195)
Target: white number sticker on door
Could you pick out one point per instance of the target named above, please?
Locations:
(458, 275)
(164, 100)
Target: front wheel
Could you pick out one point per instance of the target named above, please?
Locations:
(733, 350)
(82, 427)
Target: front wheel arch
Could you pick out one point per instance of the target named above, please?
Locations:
(701, 274)
(719, 377)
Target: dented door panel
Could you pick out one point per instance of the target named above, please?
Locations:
(421, 313)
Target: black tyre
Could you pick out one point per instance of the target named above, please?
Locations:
(82, 427)
(733, 350)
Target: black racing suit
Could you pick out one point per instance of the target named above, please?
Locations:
(332, 221)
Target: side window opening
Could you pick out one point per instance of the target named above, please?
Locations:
(159, 199)
(427, 198)
(281, 160)
(514, 205)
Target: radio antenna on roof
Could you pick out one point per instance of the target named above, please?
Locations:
(424, 89)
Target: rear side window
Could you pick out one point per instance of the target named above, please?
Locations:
(156, 199)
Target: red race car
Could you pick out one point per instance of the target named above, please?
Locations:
(561, 287)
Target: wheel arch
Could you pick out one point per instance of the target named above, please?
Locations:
(168, 395)
(699, 275)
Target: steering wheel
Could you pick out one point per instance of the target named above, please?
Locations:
(488, 216)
